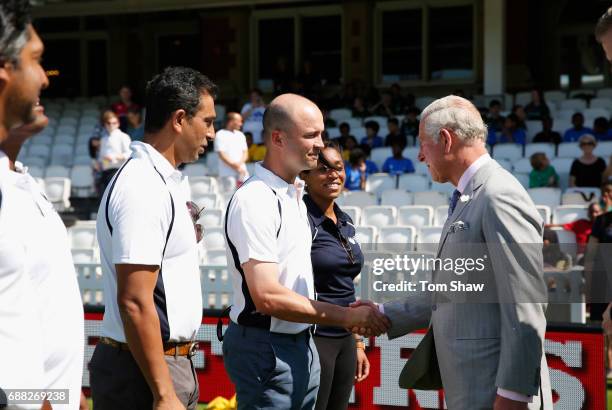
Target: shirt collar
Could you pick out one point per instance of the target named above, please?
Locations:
(275, 182)
(317, 216)
(471, 171)
(143, 150)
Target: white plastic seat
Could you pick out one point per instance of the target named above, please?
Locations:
(340, 114)
(357, 198)
(211, 218)
(573, 104)
(591, 113)
(396, 235)
(194, 170)
(522, 98)
(202, 185)
(420, 168)
(545, 213)
(511, 152)
(396, 197)
(64, 140)
(604, 93)
(215, 257)
(415, 215)
(562, 166)
(83, 256)
(577, 198)
(604, 149)
(413, 182)
(533, 127)
(365, 234)
(586, 190)
(428, 239)
(379, 215)
(207, 200)
(601, 102)
(567, 242)
(354, 212)
(358, 133)
(82, 180)
(555, 95)
(568, 150)
(58, 192)
(382, 121)
(523, 165)
(440, 215)
(446, 188)
(59, 171)
(354, 124)
(431, 198)
(550, 197)
(380, 154)
(42, 151)
(581, 91)
(212, 163)
(546, 148)
(522, 178)
(411, 153)
(36, 171)
(226, 184)
(505, 164)
(214, 238)
(333, 132)
(569, 213)
(379, 182)
(81, 160)
(82, 237)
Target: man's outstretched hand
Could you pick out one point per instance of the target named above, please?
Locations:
(369, 320)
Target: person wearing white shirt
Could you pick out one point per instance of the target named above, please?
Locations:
(114, 148)
(148, 250)
(252, 112)
(230, 144)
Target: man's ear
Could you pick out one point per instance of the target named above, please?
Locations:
(277, 138)
(446, 139)
(5, 75)
(178, 120)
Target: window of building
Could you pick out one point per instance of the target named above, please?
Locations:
(451, 42)
(322, 47)
(402, 45)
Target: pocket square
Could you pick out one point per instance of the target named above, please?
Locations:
(459, 226)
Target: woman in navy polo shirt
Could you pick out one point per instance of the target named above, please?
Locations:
(336, 261)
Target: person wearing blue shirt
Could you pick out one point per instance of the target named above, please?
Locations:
(397, 164)
(511, 132)
(601, 128)
(357, 170)
(372, 139)
(336, 261)
(578, 130)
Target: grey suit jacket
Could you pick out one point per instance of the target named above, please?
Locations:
(474, 348)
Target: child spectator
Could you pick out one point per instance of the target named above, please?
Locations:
(372, 139)
(350, 143)
(543, 174)
(521, 116)
(356, 171)
(395, 133)
(512, 132)
(601, 128)
(410, 123)
(495, 121)
(397, 164)
(578, 130)
(359, 109)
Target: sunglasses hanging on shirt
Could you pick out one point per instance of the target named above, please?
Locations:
(195, 212)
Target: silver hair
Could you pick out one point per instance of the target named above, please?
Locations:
(456, 114)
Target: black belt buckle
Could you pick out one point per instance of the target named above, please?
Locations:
(192, 350)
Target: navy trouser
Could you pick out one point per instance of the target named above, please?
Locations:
(271, 370)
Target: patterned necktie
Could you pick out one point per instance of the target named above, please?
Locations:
(453, 202)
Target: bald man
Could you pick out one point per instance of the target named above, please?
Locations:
(231, 146)
(268, 350)
(484, 348)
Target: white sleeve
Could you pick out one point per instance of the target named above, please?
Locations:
(242, 142)
(252, 226)
(140, 215)
(126, 145)
(245, 108)
(220, 141)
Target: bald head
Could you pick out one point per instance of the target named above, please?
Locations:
(285, 111)
(455, 114)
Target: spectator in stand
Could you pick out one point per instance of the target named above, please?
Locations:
(606, 196)
(328, 122)
(350, 143)
(578, 130)
(135, 127)
(554, 258)
(252, 114)
(345, 132)
(547, 134)
(398, 102)
(495, 121)
(395, 133)
(356, 171)
(537, 108)
(257, 152)
(385, 106)
(601, 128)
(231, 145)
(607, 174)
(543, 174)
(512, 132)
(410, 123)
(123, 105)
(114, 148)
(371, 167)
(372, 139)
(397, 164)
(582, 228)
(359, 109)
(521, 116)
(587, 170)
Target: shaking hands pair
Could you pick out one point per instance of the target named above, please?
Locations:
(366, 319)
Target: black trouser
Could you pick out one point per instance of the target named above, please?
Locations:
(338, 358)
(117, 382)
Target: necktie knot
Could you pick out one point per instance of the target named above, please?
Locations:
(453, 201)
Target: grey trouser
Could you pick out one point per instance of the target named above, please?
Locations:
(117, 382)
(271, 370)
(338, 356)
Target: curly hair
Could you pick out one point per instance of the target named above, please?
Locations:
(14, 20)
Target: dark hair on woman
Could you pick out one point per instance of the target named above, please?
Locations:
(356, 156)
(14, 20)
(372, 124)
(174, 89)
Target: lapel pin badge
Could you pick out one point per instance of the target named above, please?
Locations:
(464, 198)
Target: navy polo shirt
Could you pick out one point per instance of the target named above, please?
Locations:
(333, 268)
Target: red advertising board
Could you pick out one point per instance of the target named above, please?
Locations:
(575, 358)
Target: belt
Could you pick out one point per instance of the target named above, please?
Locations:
(170, 349)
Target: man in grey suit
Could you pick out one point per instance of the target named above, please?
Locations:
(484, 355)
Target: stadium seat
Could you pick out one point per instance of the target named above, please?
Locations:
(220, 110)
(573, 104)
(586, 190)
(577, 198)
(415, 215)
(420, 168)
(81, 160)
(505, 164)
(428, 239)
(379, 182)
(379, 155)
(568, 150)
(36, 171)
(206, 200)
(194, 170)
(521, 98)
(64, 140)
(333, 132)
(431, 198)
(591, 113)
(523, 165)
(82, 237)
(396, 235)
(202, 185)
(446, 188)
(396, 197)
(601, 102)
(365, 234)
(357, 198)
(562, 166)
(340, 114)
(80, 256)
(212, 163)
(550, 197)
(379, 215)
(42, 151)
(522, 178)
(354, 212)
(604, 149)
(58, 192)
(59, 171)
(569, 213)
(413, 182)
(215, 257)
(577, 93)
(546, 148)
(533, 128)
(354, 124)
(511, 152)
(214, 238)
(440, 215)
(226, 184)
(545, 213)
(211, 218)
(555, 95)
(411, 153)
(358, 133)
(567, 242)
(62, 155)
(382, 121)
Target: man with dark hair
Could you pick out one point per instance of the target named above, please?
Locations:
(395, 134)
(372, 139)
(603, 33)
(547, 134)
(495, 121)
(578, 129)
(144, 227)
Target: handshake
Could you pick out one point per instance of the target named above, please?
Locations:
(364, 318)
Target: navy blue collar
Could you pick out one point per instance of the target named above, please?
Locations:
(317, 215)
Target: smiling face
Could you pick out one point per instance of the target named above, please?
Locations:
(325, 182)
(196, 131)
(304, 138)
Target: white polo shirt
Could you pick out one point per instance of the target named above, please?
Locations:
(257, 229)
(53, 289)
(233, 145)
(113, 145)
(145, 207)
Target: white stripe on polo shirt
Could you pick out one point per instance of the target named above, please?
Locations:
(140, 213)
(257, 229)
